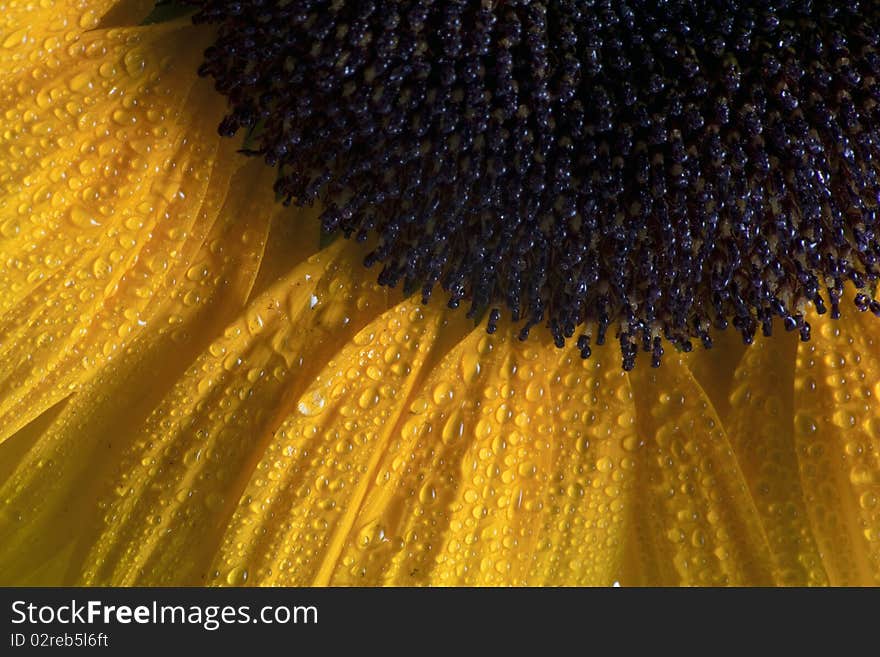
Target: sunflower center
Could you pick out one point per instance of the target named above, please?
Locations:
(638, 169)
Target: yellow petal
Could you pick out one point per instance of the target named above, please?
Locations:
(411, 460)
(173, 462)
(837, 435)
(180, 257)
(761, 431)
(693, 520)
(714, 368)
(108, 192)
(57, 492)
(33, 32)
(183, 467)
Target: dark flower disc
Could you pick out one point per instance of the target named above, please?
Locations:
(645, 170)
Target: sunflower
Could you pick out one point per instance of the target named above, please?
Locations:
(199, 385)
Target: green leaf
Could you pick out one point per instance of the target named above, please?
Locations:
(168, 10)
(326, 239)
(253, 136)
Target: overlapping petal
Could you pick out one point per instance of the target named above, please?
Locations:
(38, 33)
(426, 453)
(110, 182)
(762, 434)
(694, 519)
(837, 441)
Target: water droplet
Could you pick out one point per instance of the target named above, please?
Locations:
(311, 404)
